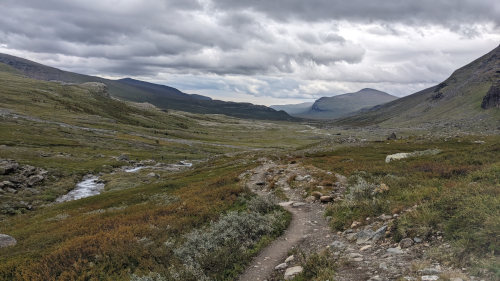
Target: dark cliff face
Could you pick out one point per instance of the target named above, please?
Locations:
(492, 98)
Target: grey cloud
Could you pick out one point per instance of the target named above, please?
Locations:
(406, 11)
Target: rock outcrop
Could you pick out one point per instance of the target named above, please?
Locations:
(492, 98)
(14, 176)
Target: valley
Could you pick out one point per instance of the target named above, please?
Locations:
(95, 186)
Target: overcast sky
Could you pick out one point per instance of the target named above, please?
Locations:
(261, 51)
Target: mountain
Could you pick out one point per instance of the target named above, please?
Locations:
(163, 97)
(471, 95)
(346, 104)
(294, 109)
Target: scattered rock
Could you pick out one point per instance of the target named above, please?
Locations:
(290, 259)
(292, 271)
(326, 199)
(303, 178)
(379, 233)
(35, 179)
(152, 175)
(338, 245)
(7, 241)
(355, 224)
(298, 204)
(123, 157)
(8, 166)
(430, 271)
(281, 266)
(392, 136)
(417, 240)
(364, 248)
(317, 194)
(430, 278)
(406, 243)
(396, 251)
(381, 188)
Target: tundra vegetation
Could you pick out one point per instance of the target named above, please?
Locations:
(202, 223)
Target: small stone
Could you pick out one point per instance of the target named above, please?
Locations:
(383, 266)
(298, 204)
(385, 217)
(394, 251)
(292, 271)
(281, 266)
(406, 243)
(290, 259)
(430, 278)
(123, 157)
(430, 271)
(338, 245)
(364, 248)
(358, 259)
(317, 194)
(326, 199)
(34, 180)
(379, 233)
(417, 240)
(152, 175)
(7, 241)
(355, 223)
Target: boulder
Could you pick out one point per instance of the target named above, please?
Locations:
(7, 241)
(292, 271)
(8, 166)
(34, 180)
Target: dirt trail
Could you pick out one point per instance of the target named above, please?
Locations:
(308, 229)
(366, 251)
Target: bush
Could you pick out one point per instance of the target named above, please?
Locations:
(218, 251)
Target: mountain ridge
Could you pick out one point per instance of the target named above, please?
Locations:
(162, 96)
(457, 99)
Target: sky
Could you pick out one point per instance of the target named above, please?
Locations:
(260, 51)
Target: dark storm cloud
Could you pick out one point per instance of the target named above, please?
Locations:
(406, 11)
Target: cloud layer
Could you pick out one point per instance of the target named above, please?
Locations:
(260, 51)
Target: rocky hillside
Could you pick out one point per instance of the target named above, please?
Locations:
(468, 98)
(346, 104)
(161, 96)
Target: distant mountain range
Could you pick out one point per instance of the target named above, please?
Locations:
(163, 97)
(469, 97)
(337, 106)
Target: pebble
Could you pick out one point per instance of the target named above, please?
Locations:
(290, 259)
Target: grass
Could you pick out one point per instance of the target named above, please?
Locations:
(457, 191)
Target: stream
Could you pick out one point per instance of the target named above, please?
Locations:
(89, 186)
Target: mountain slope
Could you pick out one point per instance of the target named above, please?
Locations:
(294, 109)
(161, 96)
(343, 105)
(458, 100)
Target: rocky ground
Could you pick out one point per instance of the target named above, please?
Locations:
(365, 251)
